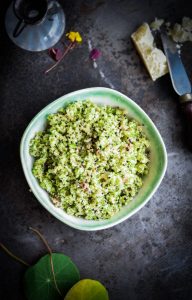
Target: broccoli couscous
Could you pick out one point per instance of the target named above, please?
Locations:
(91, 159)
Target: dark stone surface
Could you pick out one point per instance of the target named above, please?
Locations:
(148, 256)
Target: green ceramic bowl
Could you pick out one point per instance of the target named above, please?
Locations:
(101, 96)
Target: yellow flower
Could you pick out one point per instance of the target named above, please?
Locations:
(74, 36)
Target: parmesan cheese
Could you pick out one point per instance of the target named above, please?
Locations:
(156, 25)
(181, 33)
(153, 58)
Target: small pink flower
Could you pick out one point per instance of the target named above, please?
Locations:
(55, 53)
(94, 54)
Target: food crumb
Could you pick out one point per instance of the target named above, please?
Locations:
(156, 24)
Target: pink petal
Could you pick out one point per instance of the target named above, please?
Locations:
(55, 53)
(94, 54)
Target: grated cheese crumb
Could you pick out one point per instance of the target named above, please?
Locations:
(181, 33)
(156, 24)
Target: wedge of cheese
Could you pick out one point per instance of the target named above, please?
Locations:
(153, 58)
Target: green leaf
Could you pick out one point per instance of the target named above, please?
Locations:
(87, 289)
(39, 281)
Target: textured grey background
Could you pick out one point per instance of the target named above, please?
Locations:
(148, 256)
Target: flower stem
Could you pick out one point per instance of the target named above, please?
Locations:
(13, 256)
(69, 47)
(50, 252)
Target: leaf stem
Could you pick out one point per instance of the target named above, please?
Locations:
(69, 47)
(42, 238)
(13, 256)
(50, 252)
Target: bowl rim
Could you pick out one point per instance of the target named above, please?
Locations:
(54, 213)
